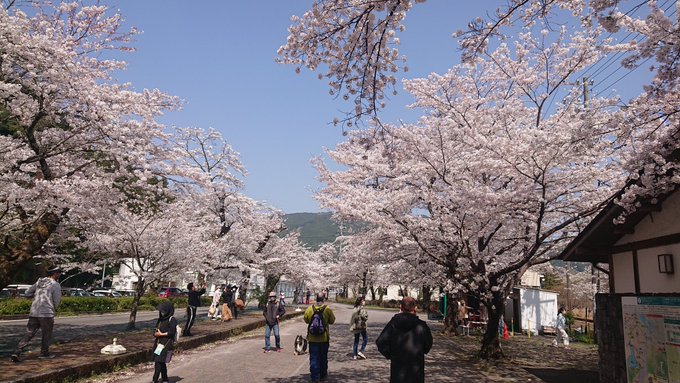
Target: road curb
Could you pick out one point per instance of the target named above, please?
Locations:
(116, 362)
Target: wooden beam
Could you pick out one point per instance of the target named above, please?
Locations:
(612, 285)
(647, 243)
(621, 231)
(636, 272)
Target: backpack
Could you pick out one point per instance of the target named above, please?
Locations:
(178, 330)
(316, 326)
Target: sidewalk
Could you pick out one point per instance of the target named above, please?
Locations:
(81, 358)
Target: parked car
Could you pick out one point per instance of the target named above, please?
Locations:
(171, 292)
(6, 293)
(14, 291)
(107, 293)
(127, 293)
(75, 292)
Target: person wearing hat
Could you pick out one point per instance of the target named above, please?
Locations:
(46, 293)
(272, 312)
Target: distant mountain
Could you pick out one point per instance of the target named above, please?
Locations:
(315, 229)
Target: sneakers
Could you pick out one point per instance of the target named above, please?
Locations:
(361, 355)
(15, 358)
(46, 356)
(266, 350)
(354, 357)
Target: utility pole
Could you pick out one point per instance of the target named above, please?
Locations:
(585, 91)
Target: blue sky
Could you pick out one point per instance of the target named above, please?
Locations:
(218, 56)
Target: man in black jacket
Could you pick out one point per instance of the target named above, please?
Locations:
(405, 341)
(228, 298)
(193, 302)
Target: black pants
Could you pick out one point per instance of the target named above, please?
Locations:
(234, 310)
(46, 325)
(191, 317)
(160, 368)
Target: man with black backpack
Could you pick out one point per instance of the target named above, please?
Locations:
(319, 317)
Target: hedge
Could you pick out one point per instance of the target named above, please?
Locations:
(75, 305)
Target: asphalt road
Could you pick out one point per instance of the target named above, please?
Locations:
(243, 360)
(78, 327)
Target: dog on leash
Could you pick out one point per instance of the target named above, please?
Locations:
(300, 345)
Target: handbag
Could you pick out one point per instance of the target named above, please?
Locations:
(226, 313)
(159, 349)
(211, 311)
(239, 304)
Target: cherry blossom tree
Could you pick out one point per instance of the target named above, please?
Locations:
(491, 179)
(155, 244)
(67, 129)
(356, 41)
(650, 131)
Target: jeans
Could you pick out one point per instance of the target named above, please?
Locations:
(363, 343)
(46, 325)
(318, 360)
(267, 333)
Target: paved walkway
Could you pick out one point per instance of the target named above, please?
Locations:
(240, 357)
(452, 359)
(81, 354)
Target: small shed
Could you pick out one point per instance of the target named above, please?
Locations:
(530, 309)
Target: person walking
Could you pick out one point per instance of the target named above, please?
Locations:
(319, 317)
(164, 342)
(46, 293)
(282, 299)
(194, 302)
(272, 312)
(405, 340)
(561, 324)
(309, 293)
(357, 326)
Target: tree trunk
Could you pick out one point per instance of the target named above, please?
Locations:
(491, 344)
(382, 293)
(451, 319)
(372, 290)
(364, 285)
(269, 285)
(243, 286)
(135, 304)
(427, 292)
(15, 252)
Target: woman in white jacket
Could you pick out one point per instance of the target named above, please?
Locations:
(215, 305)
(561, 324)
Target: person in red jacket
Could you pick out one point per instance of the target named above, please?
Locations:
(404, 341)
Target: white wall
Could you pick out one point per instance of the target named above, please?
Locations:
(651, 280)
(655, 224)
(624, 277)
(539, 307)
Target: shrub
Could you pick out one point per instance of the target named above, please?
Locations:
(15, 306)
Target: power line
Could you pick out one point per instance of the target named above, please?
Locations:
(617, 55)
